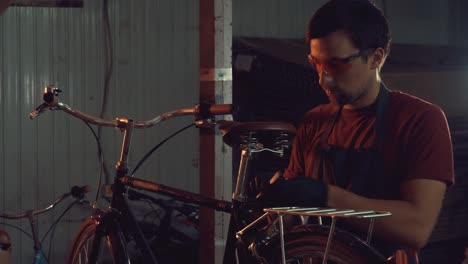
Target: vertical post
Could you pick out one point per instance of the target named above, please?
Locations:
(215, 18)
(329, 241)
(283, 250)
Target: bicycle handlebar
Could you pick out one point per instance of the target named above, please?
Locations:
(76, 192)
(51, 102)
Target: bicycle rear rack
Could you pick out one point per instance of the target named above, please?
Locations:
(333, 213)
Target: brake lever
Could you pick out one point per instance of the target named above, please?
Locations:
(50, 97)
(36, 112)
(205, 123)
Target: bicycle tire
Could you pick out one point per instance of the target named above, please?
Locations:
(113, 249)
(308, 246)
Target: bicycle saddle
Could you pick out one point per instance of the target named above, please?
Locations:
(236, 133)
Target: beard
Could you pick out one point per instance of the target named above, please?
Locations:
(337, 97)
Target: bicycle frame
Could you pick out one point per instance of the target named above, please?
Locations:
(119, 217)
(39, 254)
(39, 257)
(119, 209)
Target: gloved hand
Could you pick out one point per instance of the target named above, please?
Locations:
(300, 191)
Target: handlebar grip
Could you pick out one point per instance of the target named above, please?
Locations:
(36, 112)
(221, 109)
(79, 192)
(206, 110)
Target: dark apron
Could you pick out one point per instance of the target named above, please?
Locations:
(357, 170)
(360, 171)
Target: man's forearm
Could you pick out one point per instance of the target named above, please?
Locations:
(411, 222)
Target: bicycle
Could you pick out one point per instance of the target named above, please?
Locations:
(39, 254)
(104, 236)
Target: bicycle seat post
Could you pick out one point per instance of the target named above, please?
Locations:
(247, 146)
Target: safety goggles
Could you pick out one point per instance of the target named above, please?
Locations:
(335, 65)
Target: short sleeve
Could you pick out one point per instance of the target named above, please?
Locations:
(429, 153)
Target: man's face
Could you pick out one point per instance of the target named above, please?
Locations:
(343, 73)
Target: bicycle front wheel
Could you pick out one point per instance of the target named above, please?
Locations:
(97, 244)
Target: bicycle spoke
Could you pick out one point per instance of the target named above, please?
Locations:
(303, 260)
(85, 249)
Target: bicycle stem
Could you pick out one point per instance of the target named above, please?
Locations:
(32, 222)
(127, 126)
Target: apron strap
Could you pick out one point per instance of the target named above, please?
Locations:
(326, 134)
(382, 106)
(317, 169)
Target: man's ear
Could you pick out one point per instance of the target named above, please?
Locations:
(377, 58)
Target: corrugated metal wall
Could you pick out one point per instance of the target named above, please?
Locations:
(416, 22)
(155, 70)
(272, 18)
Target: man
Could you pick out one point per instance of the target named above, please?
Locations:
(369, 148)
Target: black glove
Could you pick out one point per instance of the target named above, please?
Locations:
(300, 191)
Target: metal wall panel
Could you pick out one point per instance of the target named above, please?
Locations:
(415, 22)
(272, 18)
(419, 22)
(155, 70)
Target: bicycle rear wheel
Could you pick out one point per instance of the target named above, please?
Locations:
(308, 246)
(97, 244)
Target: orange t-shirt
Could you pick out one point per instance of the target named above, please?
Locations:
(416, 142)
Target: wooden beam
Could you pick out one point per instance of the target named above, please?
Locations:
(49, 3)
(215, 86)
